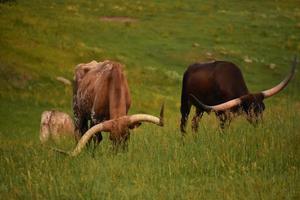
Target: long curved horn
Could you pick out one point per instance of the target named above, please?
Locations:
(220, 107)
(133, 119)
(283, 84)
(105, 126)
(234, 102)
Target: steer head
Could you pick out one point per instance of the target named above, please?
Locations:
(252, 104)
(118, 128)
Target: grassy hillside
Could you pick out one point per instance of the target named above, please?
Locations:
(156, 41)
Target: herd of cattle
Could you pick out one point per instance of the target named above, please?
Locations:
(101, 100)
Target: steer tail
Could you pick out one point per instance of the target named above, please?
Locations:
(117, 93)
(185, 104)
(184, 108)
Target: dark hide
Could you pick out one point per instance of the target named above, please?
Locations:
(215, 83)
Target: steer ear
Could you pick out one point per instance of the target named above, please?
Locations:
(135, 125)
(161, 115)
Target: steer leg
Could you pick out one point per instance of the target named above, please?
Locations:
(97, 138)
(224, 118)
(77, 127)
(185, 111)
(195, 121)
(81, 126)
(96, 141)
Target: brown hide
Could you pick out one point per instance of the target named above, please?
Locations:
(80, 71)
(102, 93)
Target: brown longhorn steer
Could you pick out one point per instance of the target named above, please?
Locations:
(101, 95)
(220, 87)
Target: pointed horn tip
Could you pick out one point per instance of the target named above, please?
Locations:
(296, 58)
(294, 65)
(161, 115)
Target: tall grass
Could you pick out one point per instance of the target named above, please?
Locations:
(40, 40)
(241, 163)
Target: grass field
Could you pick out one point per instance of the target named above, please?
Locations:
(156, 41)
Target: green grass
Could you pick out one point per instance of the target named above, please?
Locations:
(40, 40)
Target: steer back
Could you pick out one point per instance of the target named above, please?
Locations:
(213, 83)
(101, 94)
(80, 71)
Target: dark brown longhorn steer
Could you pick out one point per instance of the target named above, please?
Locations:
(220, 87)
(101, 101)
